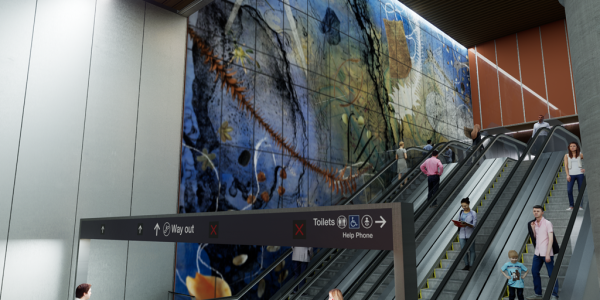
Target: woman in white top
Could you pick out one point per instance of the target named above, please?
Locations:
(574, 169)
(401, 161)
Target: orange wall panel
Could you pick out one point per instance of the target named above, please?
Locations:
(488, 89)
(533, 106)
(508, 56)
(510, 90)
(512, 104)
(488, 50)
(474, 86)
(558, 76)
(532, 69)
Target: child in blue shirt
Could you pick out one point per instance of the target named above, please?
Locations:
(516, 273)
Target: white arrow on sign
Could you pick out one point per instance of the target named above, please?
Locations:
(157, 228)
(140, 229)
(382, 222)
(102, 229)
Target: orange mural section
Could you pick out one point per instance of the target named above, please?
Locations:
(509, 80)
(532, 71)
(488, 89)
(508, 55)
(523, 75)
(474, 87)
(558, 73)
(512, 103)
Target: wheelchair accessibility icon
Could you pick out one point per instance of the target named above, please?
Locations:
(354, 222)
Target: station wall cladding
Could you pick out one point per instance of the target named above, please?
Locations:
(293, 103)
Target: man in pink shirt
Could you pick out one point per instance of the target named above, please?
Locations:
(433, 168)
(542, 235)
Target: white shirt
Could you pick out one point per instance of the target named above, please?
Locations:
(302, 254)
(539, 125)
(574, 165)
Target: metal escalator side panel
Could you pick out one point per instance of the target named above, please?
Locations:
(438, 240)
(576, 278)
(351, 271)
(421, 197)
(487, 280)
(443, 221)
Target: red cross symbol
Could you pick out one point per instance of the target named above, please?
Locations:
(213, 230)
(299, 229)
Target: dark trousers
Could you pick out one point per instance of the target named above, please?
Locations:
(579, 179)
(538, 261)
(298, 267)
(515, 291)
(433, 183)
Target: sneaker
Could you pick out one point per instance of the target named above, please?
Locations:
(466, 268)
(569, 209)
(580, 208)
(534, 297)
(554, 298)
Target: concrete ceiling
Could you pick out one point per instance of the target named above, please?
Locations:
(472, 22)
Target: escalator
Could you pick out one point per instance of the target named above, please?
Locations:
(503, 226)
(476, 177)
(337, 264)
(362, 266)
(382, 185)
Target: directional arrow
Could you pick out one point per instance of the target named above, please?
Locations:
(157, 228)
(102, 229)
(140, 229)
(382, 221)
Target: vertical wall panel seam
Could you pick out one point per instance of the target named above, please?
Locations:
(520, 77)
(478, 89)
(181, 145)
(87, 96)
(570, 68)
(135, 139)
(18, 150)
(544, 69)
(498, 78)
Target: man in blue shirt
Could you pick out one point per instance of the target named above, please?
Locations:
(516, 273)
(428, 147)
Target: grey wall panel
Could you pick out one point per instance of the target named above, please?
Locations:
(111, 121)
(149, 270)
(43, 212)
(16, 27)
(106, 269)
(156, 170)
(150, 267)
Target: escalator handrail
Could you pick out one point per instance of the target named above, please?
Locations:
(287, 253)
(474, 151)
(368, 183)
(417, 168)
(496, 228)
(390, 268)
(258, 278)
(442, 186)
(565, 241)
(443, 147)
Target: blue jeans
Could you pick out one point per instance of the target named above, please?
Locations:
(579, 179)
(469, 255)
(538, 261)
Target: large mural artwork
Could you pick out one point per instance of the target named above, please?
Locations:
(294, 103)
